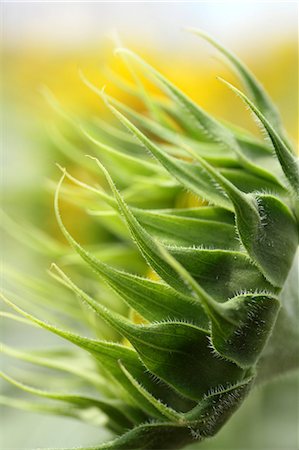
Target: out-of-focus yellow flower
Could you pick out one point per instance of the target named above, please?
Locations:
(26, 69)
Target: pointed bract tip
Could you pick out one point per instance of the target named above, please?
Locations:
(63, 169)
(91, 157)
(98, 162)
(120, 50)
(52, 266)
(198, 31)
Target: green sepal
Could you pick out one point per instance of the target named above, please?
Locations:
(288, 161)
(221, 273)
(213, 129)
(129, 165)
(255, 89)
(144, 241)
(150, 436)
(176, 352)
(52, 409)
(247, 182)
(181, 355)
(202, 212)
(191, 176)
(115, 411)
(109, 354)
(241, 327)
(211, 151)
(171, 230)
(261, 222)
(203, 421)
(65, 361)
(32, 237)
(165, 410)
(154, 301)
(275, 242)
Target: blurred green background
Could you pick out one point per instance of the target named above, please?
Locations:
(44, 44)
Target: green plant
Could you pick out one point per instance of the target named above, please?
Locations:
(212, 322)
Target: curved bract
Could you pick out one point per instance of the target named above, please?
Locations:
(180, 370)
